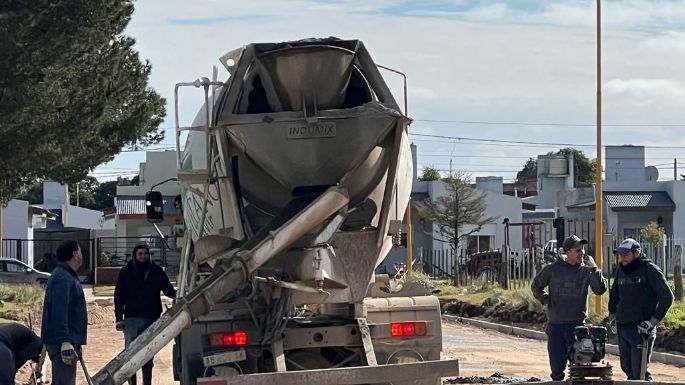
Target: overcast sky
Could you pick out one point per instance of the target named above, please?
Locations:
(476, 69)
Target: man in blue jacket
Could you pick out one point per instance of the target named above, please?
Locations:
(65, 320)
(639, 299)
(137, 302)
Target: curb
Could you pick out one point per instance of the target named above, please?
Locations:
(664, 358)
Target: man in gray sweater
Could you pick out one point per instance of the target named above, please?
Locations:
(567, 282)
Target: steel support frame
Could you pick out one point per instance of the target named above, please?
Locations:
(346, 376)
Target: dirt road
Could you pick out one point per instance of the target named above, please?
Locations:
(106, 343)
(480, 352)
(483, 352)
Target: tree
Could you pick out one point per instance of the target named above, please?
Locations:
(104, 195)
(73, 91)
(92, 194)
(461, 206)
(430, 173)
(583, 167)
(84, 189)
(652, 233)
(32, 193)
(529, 171)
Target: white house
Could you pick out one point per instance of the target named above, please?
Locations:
(425, 237)
(634, 197)
(19, 220)
(131, 219)
(56, 199)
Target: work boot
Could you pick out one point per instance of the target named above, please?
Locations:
(147, 376)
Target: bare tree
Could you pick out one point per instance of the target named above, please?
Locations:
(461, 206)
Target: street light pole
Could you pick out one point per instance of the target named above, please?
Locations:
(599, 207)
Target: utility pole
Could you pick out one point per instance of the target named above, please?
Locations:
(2, 243)
(599, 220)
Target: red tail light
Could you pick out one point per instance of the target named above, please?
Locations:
(238, 338)
(405, 329)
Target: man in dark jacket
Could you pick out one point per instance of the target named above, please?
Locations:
(137, 302)
(65, 321)
(18, 344)
(567, 282)
(638, 301)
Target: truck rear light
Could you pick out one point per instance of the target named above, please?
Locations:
(405, 329)
(238, 338)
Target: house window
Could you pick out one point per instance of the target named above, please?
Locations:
(631, 233)
(478, 243)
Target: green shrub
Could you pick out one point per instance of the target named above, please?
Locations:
(105, 259)
(676, 315)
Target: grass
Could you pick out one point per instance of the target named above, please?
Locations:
(103, 290)
(19, 300)
(676, 315)
(21, 293)
(478, 293)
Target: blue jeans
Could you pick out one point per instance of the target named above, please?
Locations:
(62, 374)
(560, 339)
(630, 349)
(133, 327)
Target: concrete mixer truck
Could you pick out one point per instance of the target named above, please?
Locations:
(296, 174)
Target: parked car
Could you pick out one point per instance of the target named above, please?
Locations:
(14, 271)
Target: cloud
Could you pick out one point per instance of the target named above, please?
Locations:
(524, 61)
(668, 43)
(660, 99)
(487, 12)
(216, 20)
(665, 90)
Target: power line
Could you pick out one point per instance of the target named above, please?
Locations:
(151, 149)
(527, 142)
(559, 124)
(423, 154)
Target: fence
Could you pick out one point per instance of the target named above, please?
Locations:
(541, 234)
(517, 268)
(103, 251)
(514, 269)
(663, 255)
(40, 253)
(116, 251)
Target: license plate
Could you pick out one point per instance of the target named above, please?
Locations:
(223, 358)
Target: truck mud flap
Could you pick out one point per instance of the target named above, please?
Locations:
(346, 376)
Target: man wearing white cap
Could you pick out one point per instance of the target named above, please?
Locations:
(638, 300)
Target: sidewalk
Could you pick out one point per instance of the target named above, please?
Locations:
(90, 295)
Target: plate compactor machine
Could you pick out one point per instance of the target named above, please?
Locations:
(587, 356)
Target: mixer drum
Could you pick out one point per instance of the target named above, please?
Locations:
(304, 119)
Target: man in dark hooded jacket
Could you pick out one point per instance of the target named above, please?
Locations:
(18, 344)
(567, 282)
(639, 299)
(137, 302)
